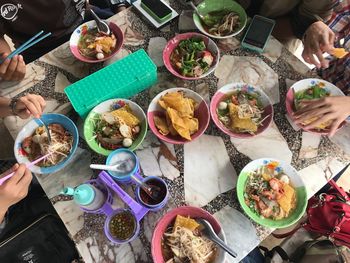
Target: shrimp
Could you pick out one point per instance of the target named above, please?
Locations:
(269, 194)
(277, 186)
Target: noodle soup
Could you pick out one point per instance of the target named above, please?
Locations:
(37, 145)
(183, 242)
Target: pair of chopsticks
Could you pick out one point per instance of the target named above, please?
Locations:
(31, 42)
(29, 165)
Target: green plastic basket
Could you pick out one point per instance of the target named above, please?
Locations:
(122, 79)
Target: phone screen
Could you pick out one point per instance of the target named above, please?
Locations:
(258, 32)
(157, 7)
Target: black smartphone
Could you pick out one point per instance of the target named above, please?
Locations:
(258, 33)
(157, 9)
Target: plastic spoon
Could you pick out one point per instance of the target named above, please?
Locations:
(102, 25)
(209, 232)
(118, 167)
(28, 165)
(151, 190)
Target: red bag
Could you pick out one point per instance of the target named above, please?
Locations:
(328, 214)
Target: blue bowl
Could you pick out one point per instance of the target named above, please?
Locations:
(122, 178)
(29, 129)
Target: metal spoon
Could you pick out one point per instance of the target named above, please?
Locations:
(46, 129)
(151, 190)
(102, 25)
(209, 232)
(206, 19)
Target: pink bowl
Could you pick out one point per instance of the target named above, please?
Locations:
(169, 219)
(173, 43)
(302, 85)
(201, 113)
(74, 39)
(228, 89)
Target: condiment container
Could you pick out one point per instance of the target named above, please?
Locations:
(131, 167)
(135, 212)
(86, 196)
(122, 226)
(147, 201)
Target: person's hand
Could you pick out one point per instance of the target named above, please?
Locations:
(15, 188)
(335, 109)
(30, 105)
(319, 38)
(12, 69)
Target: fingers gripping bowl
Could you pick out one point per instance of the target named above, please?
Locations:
(308, 90)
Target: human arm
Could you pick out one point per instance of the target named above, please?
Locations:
(335, 109)
(14, 189)
(308, 12)
(25, 106)
(11, 69)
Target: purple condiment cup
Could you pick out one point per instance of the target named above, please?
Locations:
(112, 213)
(151, 207)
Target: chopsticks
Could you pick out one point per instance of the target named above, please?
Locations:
(28, 165)
(31, 42)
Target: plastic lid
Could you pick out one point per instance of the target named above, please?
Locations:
(84, 194)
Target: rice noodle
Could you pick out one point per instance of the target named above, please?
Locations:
(187, 246)
(228, 24)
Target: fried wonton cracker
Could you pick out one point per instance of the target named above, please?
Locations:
(237, 123)
(339, 52)
(287, 200)
(126, 115)
(178, 124)
(170, 125)
(176, 100)
(185, 222)
(161, 125)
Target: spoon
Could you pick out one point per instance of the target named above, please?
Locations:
(151, 190)
(206, 19)
(118, 167)
(209, 232)
(46, 129)
(102, 25)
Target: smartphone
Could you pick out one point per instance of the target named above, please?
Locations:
(258, 33)
(157, 9)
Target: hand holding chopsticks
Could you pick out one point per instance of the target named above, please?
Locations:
(28, 165)
(12, 66)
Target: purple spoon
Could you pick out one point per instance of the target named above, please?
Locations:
(28, 165)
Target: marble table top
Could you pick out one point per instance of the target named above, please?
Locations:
(214, 159)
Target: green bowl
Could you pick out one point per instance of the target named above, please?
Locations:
(296, 181)
(210, 5)
(89, 125)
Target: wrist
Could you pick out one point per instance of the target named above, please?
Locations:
(13, 106)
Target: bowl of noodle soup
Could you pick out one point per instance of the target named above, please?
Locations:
(233, 18)
(166, 226)
(64, 142)
(272, 193)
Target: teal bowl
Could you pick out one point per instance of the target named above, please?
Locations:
(208, 6)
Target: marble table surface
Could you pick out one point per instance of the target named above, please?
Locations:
(214, 159)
